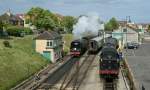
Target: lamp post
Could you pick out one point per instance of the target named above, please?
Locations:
(126, 30)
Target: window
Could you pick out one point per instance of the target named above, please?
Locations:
(49, 43)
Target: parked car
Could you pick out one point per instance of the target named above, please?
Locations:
(132, 45)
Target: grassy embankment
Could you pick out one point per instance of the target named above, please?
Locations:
(19, 62)
(67, 38)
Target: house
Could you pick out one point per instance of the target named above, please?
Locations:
(143, 26)
(9, 18)
(28, 24)
(128, 34)
(122, 23)
(131, 35)
(49, 44)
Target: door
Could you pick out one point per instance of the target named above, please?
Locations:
(47, 55)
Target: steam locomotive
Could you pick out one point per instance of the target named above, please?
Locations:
(109, 63)
(80, 46)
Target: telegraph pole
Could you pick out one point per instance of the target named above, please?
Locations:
(126, 31)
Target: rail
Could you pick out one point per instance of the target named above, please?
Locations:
(73, 77)
(80, 73)
(110, 84)
(36, 79)
(53, 79)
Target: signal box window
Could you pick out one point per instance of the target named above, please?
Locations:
(49, 43)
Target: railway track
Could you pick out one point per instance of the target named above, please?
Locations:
(36, 79)
(68, 77)
(51, 81)
(72, 78)
(79, 75)
(110, 84)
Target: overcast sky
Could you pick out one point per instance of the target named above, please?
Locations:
(139, 10)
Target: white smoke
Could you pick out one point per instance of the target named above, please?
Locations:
(87, 25)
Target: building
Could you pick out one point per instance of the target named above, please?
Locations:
(28, 24)
(49, 44)
(128, 34)
(143, 26)
(9, 18)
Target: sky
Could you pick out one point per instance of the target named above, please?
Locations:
(138, 10)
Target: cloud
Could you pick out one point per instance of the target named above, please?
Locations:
(38, 1)
(24, 1)
(106, 8)
(18, 0)
(90, 1)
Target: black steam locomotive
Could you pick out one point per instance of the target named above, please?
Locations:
(109, 62)
(80, 46)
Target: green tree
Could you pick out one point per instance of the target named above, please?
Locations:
(68, 22)
(41, 18)
(1, 25)
(1, 28)
(108, 26)
(112, 24)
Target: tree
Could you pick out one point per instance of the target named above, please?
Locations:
(108, 26)
(1, 25)
(41, 18)
(112, 24)
(1, 28)
(68, 22)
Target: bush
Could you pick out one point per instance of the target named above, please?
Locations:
(18, 31)
(6, 44)
(28, 31)
(14, 31)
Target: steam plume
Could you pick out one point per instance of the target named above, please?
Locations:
(87, 25)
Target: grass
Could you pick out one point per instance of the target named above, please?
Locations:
(67, 38)
(19, 62)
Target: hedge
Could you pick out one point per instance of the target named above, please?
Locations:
(18, 31)
(28, 31)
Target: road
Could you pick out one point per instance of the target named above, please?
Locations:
(139, 61)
